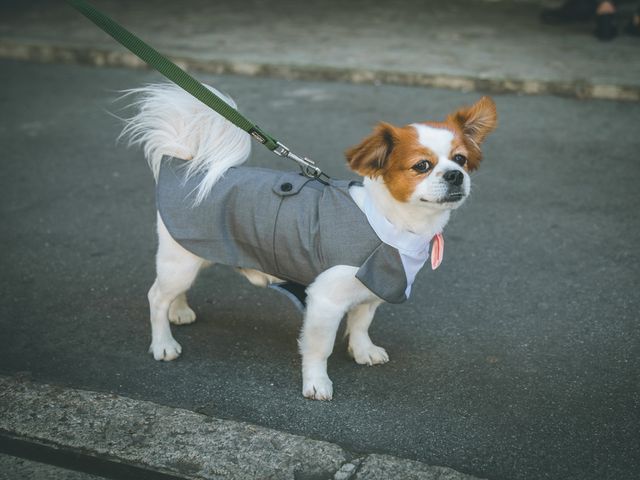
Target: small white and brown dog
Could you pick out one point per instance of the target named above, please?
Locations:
(414, 176)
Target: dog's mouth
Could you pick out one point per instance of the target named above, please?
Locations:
(451, 197)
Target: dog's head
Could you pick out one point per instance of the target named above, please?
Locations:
(427, 163)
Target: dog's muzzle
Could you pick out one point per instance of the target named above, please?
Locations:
(455, 189)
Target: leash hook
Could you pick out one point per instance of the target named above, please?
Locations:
(307, 166)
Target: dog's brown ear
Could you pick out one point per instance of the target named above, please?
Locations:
(477, 121)
(369, 157)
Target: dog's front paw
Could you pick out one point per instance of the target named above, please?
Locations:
(165, 350)
(318, 388)
(368, 354)
(181, 314)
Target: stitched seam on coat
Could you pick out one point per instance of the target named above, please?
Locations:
(273, 241)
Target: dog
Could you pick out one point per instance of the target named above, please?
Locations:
(353, 245)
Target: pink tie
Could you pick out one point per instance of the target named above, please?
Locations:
(437, 250)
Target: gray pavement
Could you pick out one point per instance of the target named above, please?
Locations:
(463, 44)
(517, 359)
(12, 468)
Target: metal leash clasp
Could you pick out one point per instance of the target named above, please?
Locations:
(308, 166)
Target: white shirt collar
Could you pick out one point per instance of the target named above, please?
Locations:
(407, 243)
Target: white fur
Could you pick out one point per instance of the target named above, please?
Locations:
(438, 140)
(176, 269)
(361, 347)
(415, 216)
(179, 311)
(334, 293)
(171, 122)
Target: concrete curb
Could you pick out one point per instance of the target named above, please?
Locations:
(180, 443)
(83, 55)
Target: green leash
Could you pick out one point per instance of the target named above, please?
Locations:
(181, 78)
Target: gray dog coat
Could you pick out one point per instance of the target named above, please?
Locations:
(283, 224)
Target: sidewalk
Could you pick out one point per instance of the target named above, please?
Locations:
(125, 438)
(461, 44)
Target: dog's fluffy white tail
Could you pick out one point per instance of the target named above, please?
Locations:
(169, 121)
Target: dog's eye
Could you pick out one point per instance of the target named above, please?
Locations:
(422, 166)
(460, 159)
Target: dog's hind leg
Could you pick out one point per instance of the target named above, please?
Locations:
(361, 347)
(258, 278)
(176, 269)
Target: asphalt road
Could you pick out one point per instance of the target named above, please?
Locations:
(517, 359)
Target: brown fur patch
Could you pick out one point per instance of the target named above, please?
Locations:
(474, 124)
(398, 174)
(369, 156)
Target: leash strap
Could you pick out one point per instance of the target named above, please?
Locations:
(185, 81)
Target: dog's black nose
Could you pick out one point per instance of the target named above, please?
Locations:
(453, 177)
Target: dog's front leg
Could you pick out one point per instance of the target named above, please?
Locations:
(316, 344)
(329, 297)
(361, 347)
